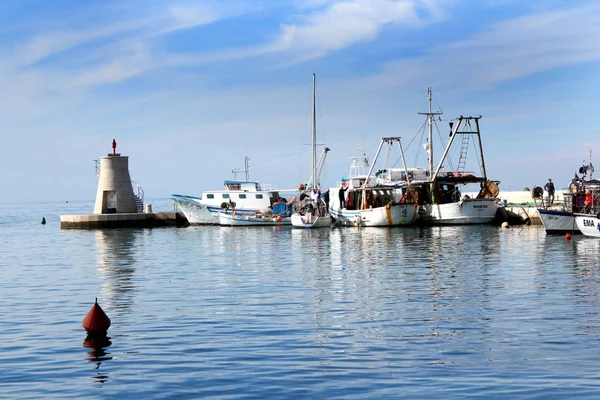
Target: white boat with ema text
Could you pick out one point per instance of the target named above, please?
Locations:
(588, 220)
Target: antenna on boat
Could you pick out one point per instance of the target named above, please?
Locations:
(246, 170)
(591, 167)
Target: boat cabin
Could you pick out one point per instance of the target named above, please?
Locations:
(393, 176)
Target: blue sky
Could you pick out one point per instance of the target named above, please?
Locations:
(189, 88)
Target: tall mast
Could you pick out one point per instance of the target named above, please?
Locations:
(314, 133)
(430, 115)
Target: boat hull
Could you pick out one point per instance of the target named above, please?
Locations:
(251, 220)
(464, 212)
(558, 222)
(311, 221)
(588, 224)
(390, 215)
(198, 212)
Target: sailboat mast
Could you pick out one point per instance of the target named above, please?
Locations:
(430, 137)
(314, 133)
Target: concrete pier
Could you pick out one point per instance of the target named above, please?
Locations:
(128, 220)
(117, 205)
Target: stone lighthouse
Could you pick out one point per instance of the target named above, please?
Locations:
(115, 192)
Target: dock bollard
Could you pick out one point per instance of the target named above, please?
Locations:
(148, 208)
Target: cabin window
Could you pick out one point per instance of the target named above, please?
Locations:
(225, 195)
(259, 196)
(242, 196)
(234, 186)
(210, 196)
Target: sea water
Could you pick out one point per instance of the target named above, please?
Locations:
(265, 313)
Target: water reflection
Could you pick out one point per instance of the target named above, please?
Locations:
(97, 345)
(116, 249)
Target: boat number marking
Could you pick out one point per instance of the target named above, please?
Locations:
(588, 222)
(480, 206)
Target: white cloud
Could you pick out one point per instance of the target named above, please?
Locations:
(341, 25)
(505, 51)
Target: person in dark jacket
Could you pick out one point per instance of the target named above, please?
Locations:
(326, 199)
(550, 189)
(342, 196)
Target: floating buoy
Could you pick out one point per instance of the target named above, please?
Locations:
(568, 236)
(96, 321)
(279, 219)
(505, 224)
(43, 221)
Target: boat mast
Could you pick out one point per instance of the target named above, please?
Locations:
(314, 133)
(430, 115)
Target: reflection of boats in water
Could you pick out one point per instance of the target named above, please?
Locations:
(116, 265)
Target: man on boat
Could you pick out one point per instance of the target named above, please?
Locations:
(342, 196)
(326, 199)
(550, 189)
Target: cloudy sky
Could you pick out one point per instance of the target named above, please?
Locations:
(189, 88)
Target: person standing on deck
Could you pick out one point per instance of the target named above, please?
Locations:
(342, 196)
(326, 199)
(550, 189)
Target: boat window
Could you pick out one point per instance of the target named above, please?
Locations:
(234, 186)
(225, 195)
(242, 196)
(210, 196)
(259, 196)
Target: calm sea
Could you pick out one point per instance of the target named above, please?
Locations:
(269, 313)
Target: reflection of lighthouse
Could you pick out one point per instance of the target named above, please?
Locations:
(115, 193)
(116, 267)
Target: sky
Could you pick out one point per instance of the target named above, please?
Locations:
(189, 88)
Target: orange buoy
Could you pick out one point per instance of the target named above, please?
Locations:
(96, 321)
(279, 219)
(568, 236)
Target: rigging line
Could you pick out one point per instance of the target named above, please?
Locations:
(278, 160)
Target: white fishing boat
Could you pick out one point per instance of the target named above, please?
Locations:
(367, 203)
(313, 212)
(280, 216)
(439, 189)
(588, 219)
(247, 197)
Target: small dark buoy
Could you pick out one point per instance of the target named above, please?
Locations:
(43, 221)
(96, 321)
(568, 236)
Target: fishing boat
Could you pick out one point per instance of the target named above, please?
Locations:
(439, 188)
(247, 197)
(313, 212)
(279, 216)
(562, 220)
(363, 202)
(588, 219)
